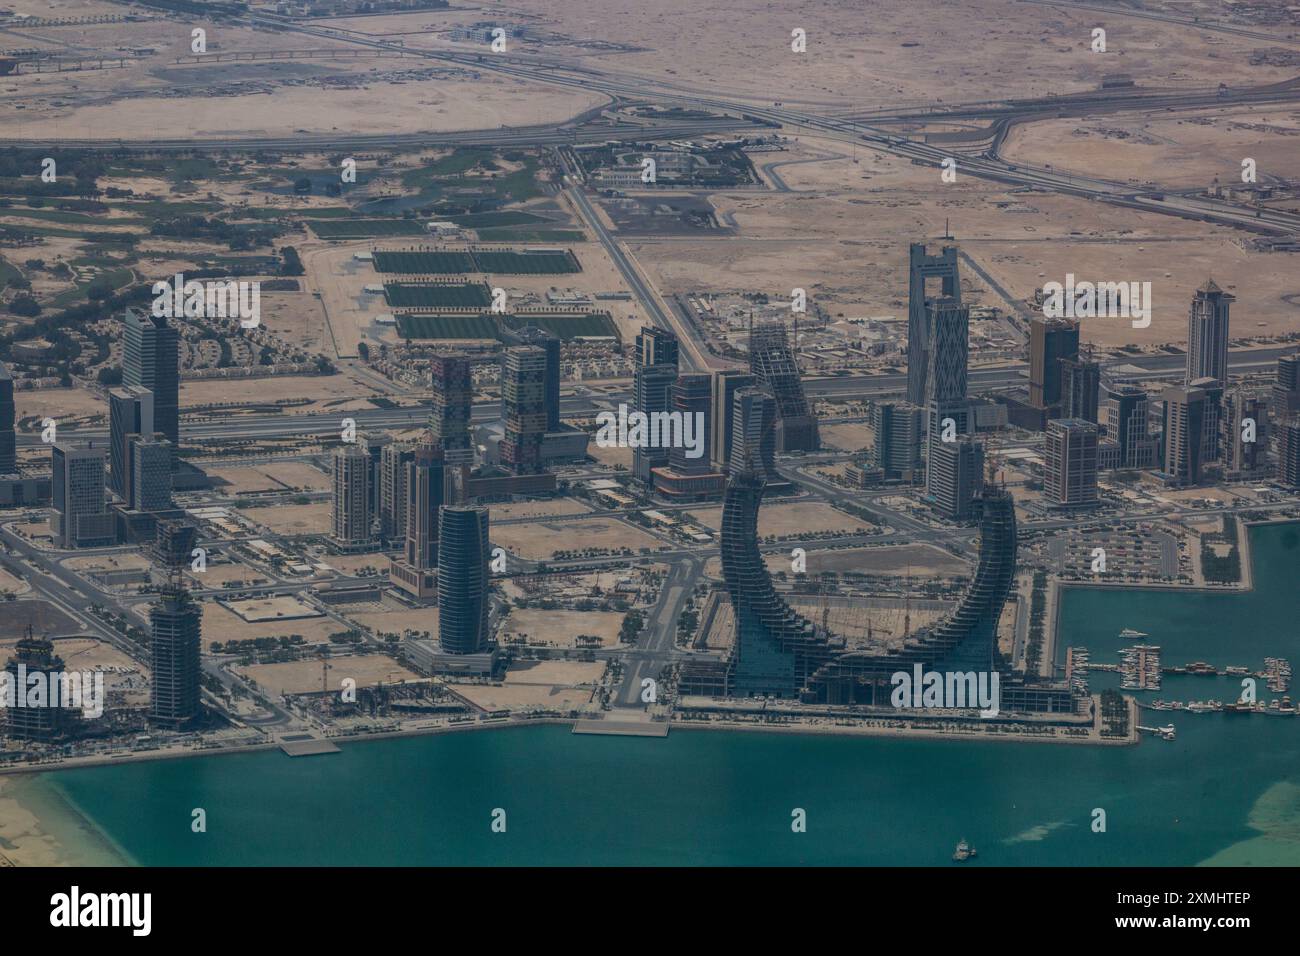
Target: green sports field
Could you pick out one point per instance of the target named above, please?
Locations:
(452, 295)
(422, 263)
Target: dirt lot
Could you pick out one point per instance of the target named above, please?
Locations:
(848, 437)
(312, 518)
(221, 624)
(279, 476)
(787, 518)
(561, 628)
(561, 685)
(303, 677)
(536, 509)
(541, 540)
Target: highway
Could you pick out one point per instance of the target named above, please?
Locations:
(274, 425)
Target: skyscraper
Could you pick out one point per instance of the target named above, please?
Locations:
(151, 359)
(373, 444)
(923, 267)
(1070, 463)
(453, 394)
(900, 433)
(80, 518)
(1050, 341)
(35, 656)
(1184, 427)
(1207, 335)
(1128, 423)
(775, 650)
(351, 511)
(1286, 389)
(130, 412)
(392, 489)
(656, 346)
(726, 383)
(8, 438)
(652, 380)
(1080, 389)
(1245, 434)
(773, 363)
(753, 436)
(175, 624)
(550, 344)
(1288, 453)
(150, 484)
(955, 477)
(523, 408)
(463, 578)
(425, 488)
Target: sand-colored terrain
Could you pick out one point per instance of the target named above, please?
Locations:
(221, 624)
(292, 519)
(1176, 150)
(536, 509)
(561, 685)
(304, 677)
(788, 518)
(562, 627)
(277, 476)
(540, 541)
(852, 436)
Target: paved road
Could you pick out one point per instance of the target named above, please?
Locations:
(274, 425)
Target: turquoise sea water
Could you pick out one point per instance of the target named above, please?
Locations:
(1226, 791)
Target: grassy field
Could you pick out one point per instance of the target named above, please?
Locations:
(420, 263)
(531, 235)
(447, 326)
(488, 220)
(364, 228)
(584, 324)
(427, 296)
(527, 263)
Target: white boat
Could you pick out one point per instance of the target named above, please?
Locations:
(1129, 632)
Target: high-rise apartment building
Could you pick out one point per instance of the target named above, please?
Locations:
(1245, 434)
(1128, 424)
(722, 406)
(130, 412)
(1070, 463)
(81, 518)
(652, 381)
(393, 460)
(151, 359)
(8, 437)
(1288, 453)
(773, 363)
(1080, 389)
(550, 344)
(1286, 389)
(922, 269)
(175, 624)
(425, 488)
(1184, 423)
(1050, 341)
(453, 396)
(351, 516)
(463, 580)
(523, 408)
(955, 477)
(1207, 335)
(900, 434)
